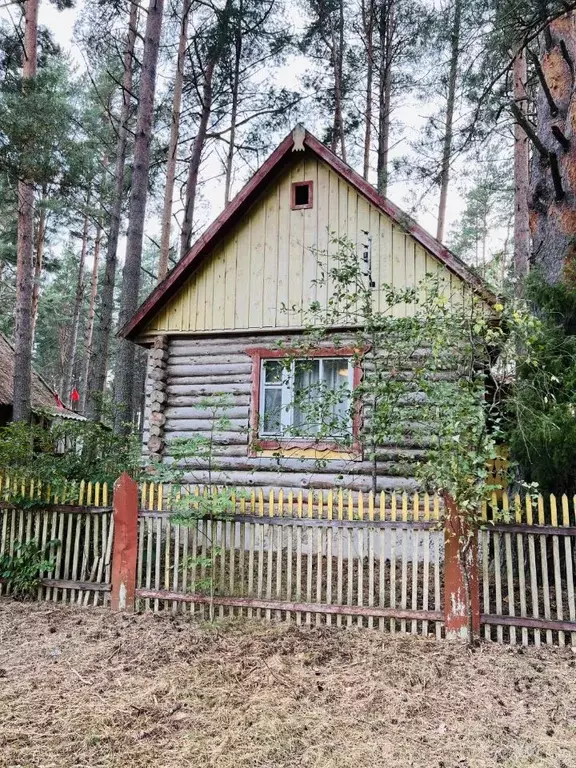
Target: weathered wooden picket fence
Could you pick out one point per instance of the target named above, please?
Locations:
(332, 557)
(527, 572)
(336, 557)
(78, 519)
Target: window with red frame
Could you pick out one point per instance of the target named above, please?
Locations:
(302, 195)
(306, 398)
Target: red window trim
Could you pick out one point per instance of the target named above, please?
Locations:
(309, 204)
(256, 443)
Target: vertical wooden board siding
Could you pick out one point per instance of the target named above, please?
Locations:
(385, 266)
(373, 226)
(200, 290)
(309, 238)
(269, 250)
(322, 208)
(283, 249)
(230, 281)
(399, 256)
(257, 224)
(332, 224)
(295, 256)
(419, 265)
(409, 261)
(242, 275)
(219, 298)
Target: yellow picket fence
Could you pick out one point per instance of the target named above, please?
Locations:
(311, 557)
(73, 525)
(527, 571)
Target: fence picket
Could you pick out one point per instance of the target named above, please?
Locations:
(569, 567)
(557, 574)
(393, 538)
(533, 570)
(544, 568)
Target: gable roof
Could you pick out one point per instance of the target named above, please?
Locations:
(42, 396)
(295, 141)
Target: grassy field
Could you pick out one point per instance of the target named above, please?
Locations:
(84, 687)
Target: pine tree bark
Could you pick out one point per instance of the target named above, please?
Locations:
(521, 175)
(449, 123)
(338, 136)
(234, 105)
(38, 262)
(368, 31)
(197, 147)
(173, 147)
(25, 244)
(553, 202)
(98, 363)
(124, 374)
(386, 31)
(91, 316)
(75, 324)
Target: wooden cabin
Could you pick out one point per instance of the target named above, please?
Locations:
(45, 403)
(215, 324)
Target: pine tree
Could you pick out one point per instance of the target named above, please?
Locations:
(124, 374)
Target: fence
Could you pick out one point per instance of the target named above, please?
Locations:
(527, 572)
(79, 522)
(337, 558)
(334, 558)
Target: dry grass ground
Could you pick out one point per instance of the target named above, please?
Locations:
(85, 687)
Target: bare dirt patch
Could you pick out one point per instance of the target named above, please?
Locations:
(85, 687)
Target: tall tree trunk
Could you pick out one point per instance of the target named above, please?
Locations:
(521, 175)
(38, 261)
(385, 30)
(90, 319)
(449, 125)
(368, 30)
(553, 204)
(25, 244)
(338, 65)
(124, 375)
(197, 147)
(75, 324)
(98, 363)
(234, 106)
(173, 147)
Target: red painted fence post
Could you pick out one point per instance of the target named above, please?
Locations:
(455, 603)
(125, 546)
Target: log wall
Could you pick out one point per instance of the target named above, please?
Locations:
(201, 366)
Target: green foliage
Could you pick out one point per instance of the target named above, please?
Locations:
(213, 503)
(65, 452)
(23, 568)
(542, 420)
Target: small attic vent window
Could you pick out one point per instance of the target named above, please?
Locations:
(301, 195)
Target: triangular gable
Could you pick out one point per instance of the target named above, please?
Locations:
(234, 212)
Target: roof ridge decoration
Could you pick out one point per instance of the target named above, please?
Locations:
(298, 140)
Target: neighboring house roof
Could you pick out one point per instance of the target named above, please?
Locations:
(42, 396)
(295, 141)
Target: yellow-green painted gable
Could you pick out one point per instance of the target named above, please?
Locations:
(267, 261)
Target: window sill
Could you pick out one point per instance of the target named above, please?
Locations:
(304, 449)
